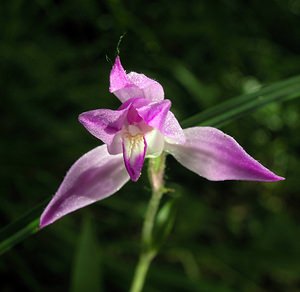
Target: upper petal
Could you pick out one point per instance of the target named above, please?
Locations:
(150, 88)
(118, 78)
(158, 116)
(93, 177)
(217, 156)
(103, 123)
(154, 114)
(133, 85)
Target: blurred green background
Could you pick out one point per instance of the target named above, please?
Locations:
(228, 236)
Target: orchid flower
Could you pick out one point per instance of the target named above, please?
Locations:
(143, 127)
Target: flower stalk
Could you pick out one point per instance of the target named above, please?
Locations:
(148, 249)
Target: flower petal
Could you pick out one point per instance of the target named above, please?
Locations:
(172, 130)
(134, 151)
(118, 78)
(150, 88)
(103, 123)
(133, 85)
(93, 177)
(217, 156)
(158, 116)
(154, 114)
(155, 143)
(115, 147)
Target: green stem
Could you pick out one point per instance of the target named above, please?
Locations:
(148, 251)
(141, 272)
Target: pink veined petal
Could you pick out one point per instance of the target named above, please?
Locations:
(154, 114)
(172, 130)
(93, 177)
(134, 151)
(151, 89)
(216, 156)
(118, 78)
(135, 103)
(133, 85)
(103, 123)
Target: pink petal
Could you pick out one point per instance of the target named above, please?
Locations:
(115, 147)
(103, 123)
(132, 105)
(135, 103)
(134, 151)
(133, 85)
(172, 130)
(118, 77)
(93, 177)
(150, 88)
(217, 156)
(154, 114)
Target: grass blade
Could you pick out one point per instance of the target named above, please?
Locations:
(237, 107)
(21, 228)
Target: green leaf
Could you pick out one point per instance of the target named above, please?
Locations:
(20, 229)
(216, 116)
(239, 106)
(165, 221)
(86, 274)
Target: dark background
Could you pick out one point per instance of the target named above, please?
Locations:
(228, 236)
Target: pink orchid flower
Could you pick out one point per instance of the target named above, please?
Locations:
(143, 127)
